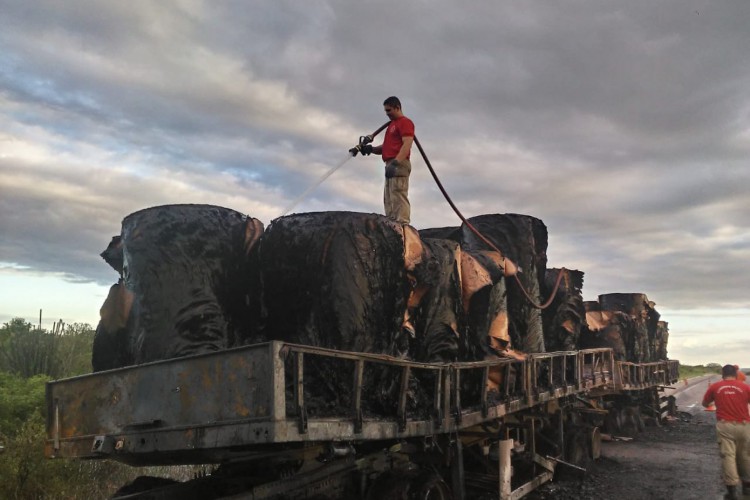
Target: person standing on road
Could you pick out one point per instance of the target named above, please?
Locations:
(731, 398)
(395, 151)
(740, 374)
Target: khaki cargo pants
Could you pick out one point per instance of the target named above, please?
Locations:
(734, 448)
(396, 191)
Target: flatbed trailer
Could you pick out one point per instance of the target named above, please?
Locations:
(250, 410)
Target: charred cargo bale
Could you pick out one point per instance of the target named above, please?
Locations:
(435, 303)
(612, 329)
(662, 338)
(182, 269)
(341, 280)
(483, 311)
(338, 280)
(522, 239)
(644, 317)
(565, 317)
(111, 348)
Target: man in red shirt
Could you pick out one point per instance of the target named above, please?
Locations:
(395, 150)
(731, 398)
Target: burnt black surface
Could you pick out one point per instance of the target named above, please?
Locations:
(616, 336)
(185, 265)
(335, 280)
(438, 318)
(523, 239)
(641, 338)
(566, 309)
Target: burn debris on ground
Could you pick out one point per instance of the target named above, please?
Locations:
(673, 461)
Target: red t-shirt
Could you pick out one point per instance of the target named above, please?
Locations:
(394, 134)
(731, 398)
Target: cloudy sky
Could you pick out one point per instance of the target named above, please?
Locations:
(624, 126)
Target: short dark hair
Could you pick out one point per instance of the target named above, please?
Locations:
(392, 101)
(729, 371)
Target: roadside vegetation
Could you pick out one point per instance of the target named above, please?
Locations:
(29, 357)
(688, 371)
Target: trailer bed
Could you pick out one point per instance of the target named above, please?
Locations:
(250, 400)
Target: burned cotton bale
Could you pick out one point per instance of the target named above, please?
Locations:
(182, 278)
(482, 313)
(566, 315)
(645, 319)
(661, 340)
(522, 239)
(436, 303)
(612, 329)
(337, 280)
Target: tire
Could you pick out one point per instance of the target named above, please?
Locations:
(409, 485)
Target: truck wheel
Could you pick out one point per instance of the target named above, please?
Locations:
(424, 485)
(576, 448)
(430, 486)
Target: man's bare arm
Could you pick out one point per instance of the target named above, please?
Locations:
(403, 153)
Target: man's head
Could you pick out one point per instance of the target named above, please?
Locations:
(392, 107)
(729, 371)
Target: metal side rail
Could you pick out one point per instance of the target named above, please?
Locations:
(637, 376)
(244, 402)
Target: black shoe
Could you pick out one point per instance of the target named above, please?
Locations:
(732, 493)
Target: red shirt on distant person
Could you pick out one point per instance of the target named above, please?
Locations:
(731, 397)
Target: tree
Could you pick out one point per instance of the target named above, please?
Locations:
(27, 351)
(73, 356)
(19, 399)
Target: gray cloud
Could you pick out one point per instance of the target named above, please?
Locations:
(625, 127)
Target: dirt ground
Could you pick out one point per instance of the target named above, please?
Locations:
(678, 460)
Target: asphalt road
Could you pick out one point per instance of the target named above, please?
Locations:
(677, 460)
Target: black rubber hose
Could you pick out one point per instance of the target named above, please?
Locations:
(480, 235)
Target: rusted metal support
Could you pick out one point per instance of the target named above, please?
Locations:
(457, 470)
(506, 381)
(551, 369)
(567, 464)
(504, 468)
(278, 355)
(402, 398)
(485, 403)
(437, 408)
(528, 382)
(299, 391)
(447, 389)
(561, 430)
(359, 368)
(457, 396)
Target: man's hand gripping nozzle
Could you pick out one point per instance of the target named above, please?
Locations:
(363, 147)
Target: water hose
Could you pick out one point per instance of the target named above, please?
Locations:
(482, 237)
